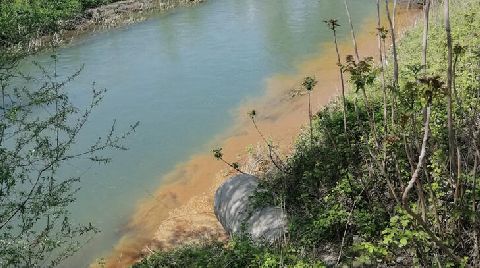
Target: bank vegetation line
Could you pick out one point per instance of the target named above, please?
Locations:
(31, 26)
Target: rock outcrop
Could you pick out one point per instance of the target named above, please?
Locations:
(233, 210)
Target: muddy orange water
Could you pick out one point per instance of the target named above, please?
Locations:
(181, 210)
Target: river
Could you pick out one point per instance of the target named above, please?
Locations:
(184, 75)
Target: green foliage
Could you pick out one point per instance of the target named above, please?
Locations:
(398, 236)
(338, 192)
(309, 83)
(332, 24)
(217, 153)
(362, 73)
(21, 20)
(38, 127)
(239, 252)
(95, 3)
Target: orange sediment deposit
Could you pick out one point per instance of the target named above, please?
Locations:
(181, 211)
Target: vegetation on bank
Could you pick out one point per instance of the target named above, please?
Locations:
(39, 17)
(238, 252)
(389, 175)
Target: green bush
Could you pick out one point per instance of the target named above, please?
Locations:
(239, 252)
(95, 3)
(335, 192)
(23, 20)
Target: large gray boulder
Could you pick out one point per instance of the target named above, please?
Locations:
(232, 209)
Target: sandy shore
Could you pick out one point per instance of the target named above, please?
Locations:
(181, 210)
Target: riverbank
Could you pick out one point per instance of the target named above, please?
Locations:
(76, 21)
(181, 210)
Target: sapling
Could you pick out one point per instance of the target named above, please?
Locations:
(352, 31)
(474, 206)
(273, 155)
(394, 85)
(433, 84)
(362, 74)
(381, 35)
(309, 83)
(450, 123)
(332, 24)
(394, 45)
(394, 13)
(426, 21)
(458, 51)
(217, 153)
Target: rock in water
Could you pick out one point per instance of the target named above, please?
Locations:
(231, 207)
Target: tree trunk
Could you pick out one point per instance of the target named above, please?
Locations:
(394, 44)
(394, 14)
(421, 158)
(415, 178)
(451, 132)
(395, 59)
(426, 18)
(380, 56)
(475, 167)
(342, 80)
(352, 29)
(458, 183)
(476, 248)
(384, 89)
(421, 199)
(310, 119)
